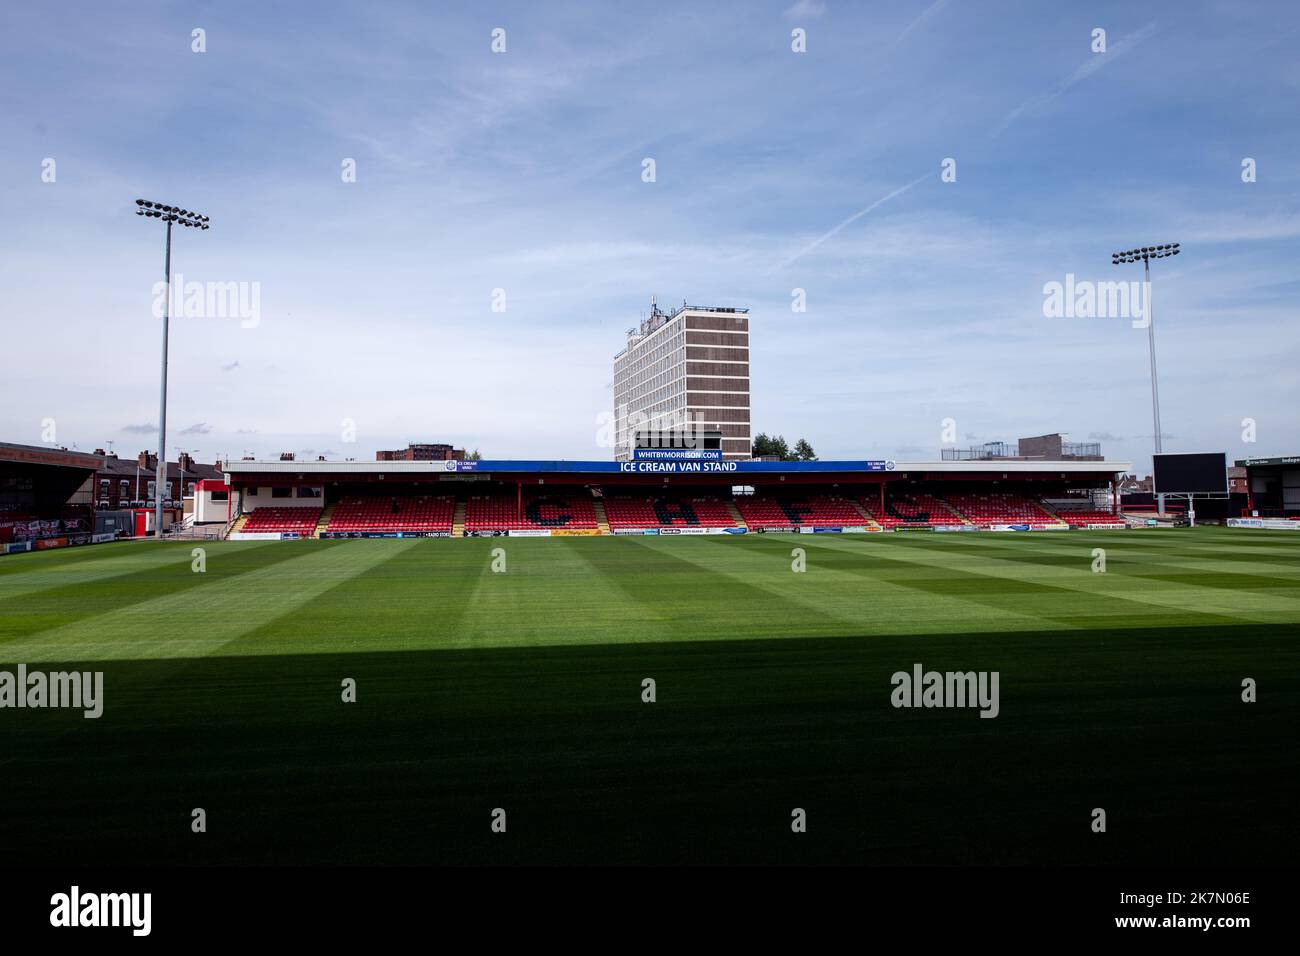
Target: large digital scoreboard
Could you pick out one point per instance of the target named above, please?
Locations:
(1193, 474)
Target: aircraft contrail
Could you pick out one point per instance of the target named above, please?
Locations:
(855, 217)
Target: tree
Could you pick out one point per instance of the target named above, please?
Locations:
(775, 446)
(474, 456)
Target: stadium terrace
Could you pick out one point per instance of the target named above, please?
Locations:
(293, 499)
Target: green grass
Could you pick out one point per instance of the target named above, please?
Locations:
(522, 690)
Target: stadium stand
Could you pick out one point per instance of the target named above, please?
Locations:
(550, 511)
(284, 520)
(993, 508)
(18, 526)
(662, 512)
(493, 513)
(576, 511)
(1079, 518)
(392, 514)
(910, 509)
(760, 511)
(662, 493)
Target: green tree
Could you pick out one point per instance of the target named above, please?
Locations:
(775, 446)
(474, 456)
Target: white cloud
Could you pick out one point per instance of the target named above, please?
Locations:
(805, 9)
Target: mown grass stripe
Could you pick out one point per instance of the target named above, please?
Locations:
(169, 570)
(198, 621)
(423, 588)
(865, 600)
(28, 574)
(1185, 602)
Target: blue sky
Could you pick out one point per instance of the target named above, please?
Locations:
(522, 171)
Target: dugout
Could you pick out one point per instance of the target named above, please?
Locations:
(1272, 486)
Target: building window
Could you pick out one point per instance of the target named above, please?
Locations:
(220, 496)
(281, 492)
(309, 492)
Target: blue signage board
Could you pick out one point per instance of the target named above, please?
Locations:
(669, 467)
(677, 454)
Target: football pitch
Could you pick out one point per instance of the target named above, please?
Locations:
(510, 673)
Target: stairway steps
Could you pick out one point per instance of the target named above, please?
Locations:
(602, 521)
(867, 520)
(960, 517)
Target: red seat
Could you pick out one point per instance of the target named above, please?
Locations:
(283, 520)
(1079, 518)
(909, 510)
(550, 511)
(702, 512)
(987, 509)
(760, 511)
(389, 515)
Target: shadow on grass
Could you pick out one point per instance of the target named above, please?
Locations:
(1146, 724)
